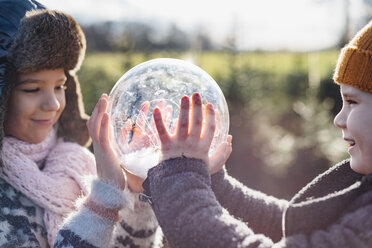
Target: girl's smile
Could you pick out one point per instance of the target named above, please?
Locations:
(46, 122)
(35, 105)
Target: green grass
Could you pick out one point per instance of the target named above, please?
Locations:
(100, 71)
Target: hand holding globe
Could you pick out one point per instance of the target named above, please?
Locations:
(158, 83)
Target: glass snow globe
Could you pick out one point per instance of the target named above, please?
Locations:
(158, 82)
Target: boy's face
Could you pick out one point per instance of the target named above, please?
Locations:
(35, 105)
(355, 120)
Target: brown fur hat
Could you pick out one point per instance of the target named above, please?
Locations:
(48, 39)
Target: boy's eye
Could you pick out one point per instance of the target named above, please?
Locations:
(351, 102)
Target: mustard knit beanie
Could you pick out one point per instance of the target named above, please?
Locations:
(354, 65)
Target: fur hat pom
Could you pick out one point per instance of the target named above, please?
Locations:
(47, 39)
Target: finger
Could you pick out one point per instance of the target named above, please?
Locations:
(162, 131)
(124, 132)
(183, 119)
(93, 115)
(104, 132)
(160, 104)
(95, 110)
(152, 134)
(104, 103)
(197, 116)
(142, 116)
(95, 120)
(210, 126)
(219, 158)
(229, 139)
(101, 111)
(218, 116)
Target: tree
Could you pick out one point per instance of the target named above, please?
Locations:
(99, 36)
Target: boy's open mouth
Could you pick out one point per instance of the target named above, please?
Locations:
(350, 141)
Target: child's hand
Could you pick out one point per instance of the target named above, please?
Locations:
(144, 132)
(108, 164)
(192, 139)
(144, 135)
(219, 158)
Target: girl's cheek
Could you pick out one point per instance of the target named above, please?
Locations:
(62, 101)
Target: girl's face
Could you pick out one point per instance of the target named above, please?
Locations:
(35, 105)
(355, 120)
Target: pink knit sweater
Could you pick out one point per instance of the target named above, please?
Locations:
(53, 173)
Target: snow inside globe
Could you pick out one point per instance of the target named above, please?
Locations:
(158, 82)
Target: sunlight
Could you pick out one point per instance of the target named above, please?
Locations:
(264, 25)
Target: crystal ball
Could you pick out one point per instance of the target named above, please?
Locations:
(158, 82)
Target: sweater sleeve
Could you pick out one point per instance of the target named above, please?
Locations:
(93, 224)
(190, 215)
(264, 214)
(188, 212)
(110, 217)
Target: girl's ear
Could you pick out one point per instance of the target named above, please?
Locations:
(72, 123)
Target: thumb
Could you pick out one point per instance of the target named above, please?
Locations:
(219, 158)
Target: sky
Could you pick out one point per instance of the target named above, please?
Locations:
(256, 24)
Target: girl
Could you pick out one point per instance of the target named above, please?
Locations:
(44, 164)
(195, 209)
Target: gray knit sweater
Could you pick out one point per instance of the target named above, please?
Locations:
(195, 210)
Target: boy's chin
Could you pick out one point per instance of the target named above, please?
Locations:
(359, 167)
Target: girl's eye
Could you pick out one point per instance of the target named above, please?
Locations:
(31, 90)
(61, 87)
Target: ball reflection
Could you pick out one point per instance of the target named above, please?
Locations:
(158, 82)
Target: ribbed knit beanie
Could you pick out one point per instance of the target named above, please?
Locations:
(354, 65)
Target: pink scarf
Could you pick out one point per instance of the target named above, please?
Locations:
(50, 173)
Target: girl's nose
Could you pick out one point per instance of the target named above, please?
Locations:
(51, 102)
(340, 119)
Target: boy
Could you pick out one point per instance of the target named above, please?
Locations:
(334, 210)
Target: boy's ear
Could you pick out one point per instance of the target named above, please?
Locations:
(72, 123)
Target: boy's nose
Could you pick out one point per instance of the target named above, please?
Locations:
(340, 120)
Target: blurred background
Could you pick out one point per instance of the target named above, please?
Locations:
(273, 60)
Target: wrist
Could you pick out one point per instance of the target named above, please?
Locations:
(104, 212)
(134, 183)
(106, 195)
(180, 155)
(133, 200)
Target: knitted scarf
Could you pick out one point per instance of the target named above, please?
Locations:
(50, 173)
